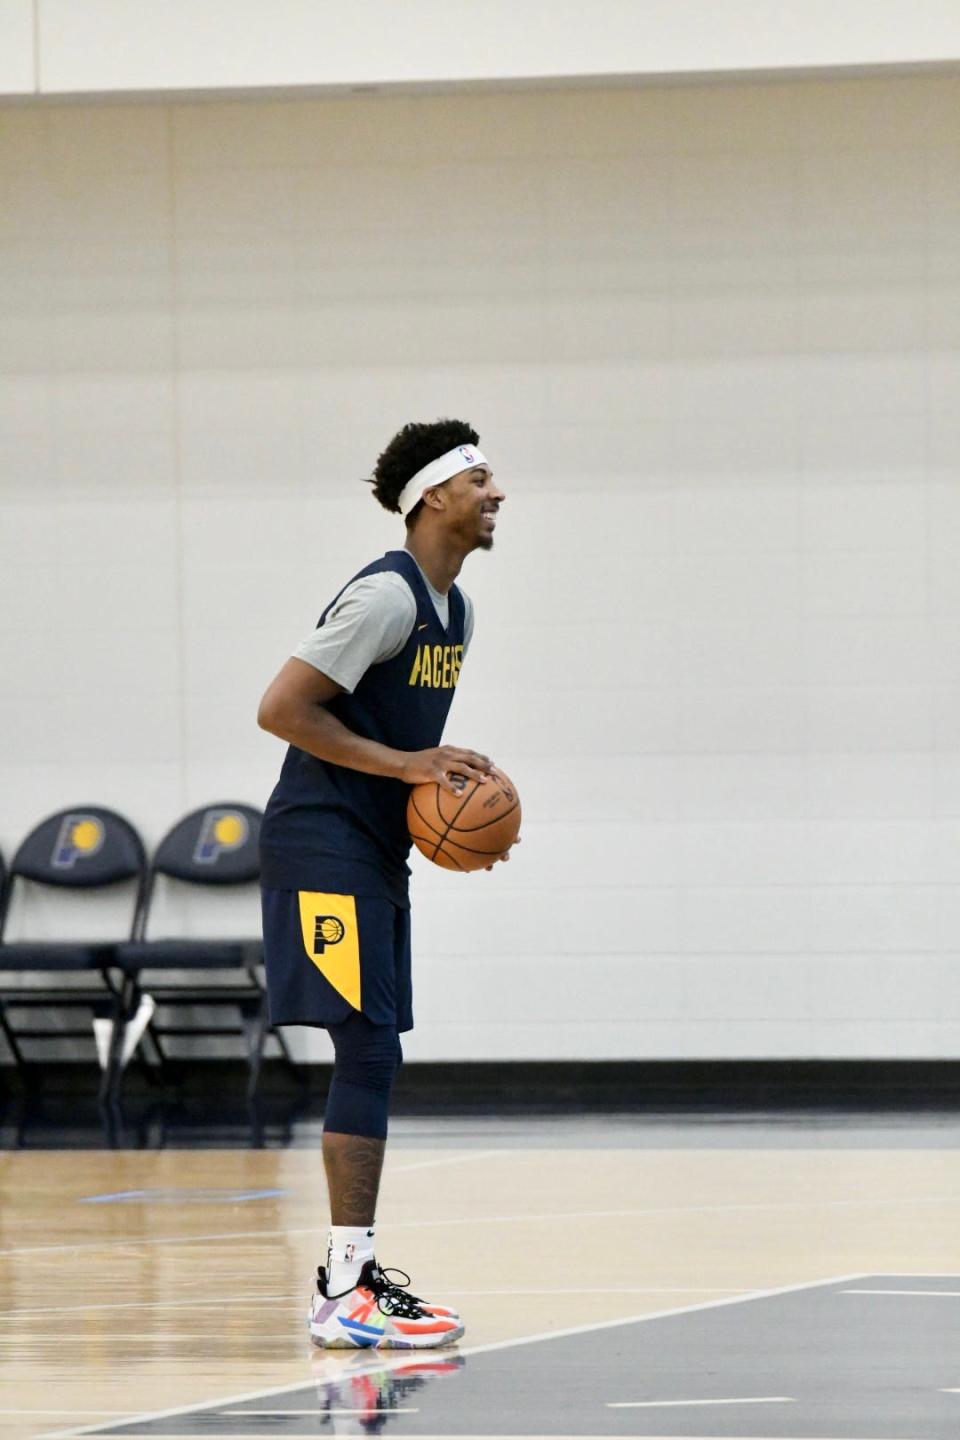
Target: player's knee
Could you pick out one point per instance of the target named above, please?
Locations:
(367, 1059)
(367, 1055)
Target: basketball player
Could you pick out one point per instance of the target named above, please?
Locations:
(364, 719)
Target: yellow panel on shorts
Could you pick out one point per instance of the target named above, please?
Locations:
(332, 940)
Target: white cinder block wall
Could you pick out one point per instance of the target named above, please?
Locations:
(709, 335)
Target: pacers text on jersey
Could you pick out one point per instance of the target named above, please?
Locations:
(437, 666)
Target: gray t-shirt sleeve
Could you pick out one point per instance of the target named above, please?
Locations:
(371, 622)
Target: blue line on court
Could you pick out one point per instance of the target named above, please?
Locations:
(180, 1197)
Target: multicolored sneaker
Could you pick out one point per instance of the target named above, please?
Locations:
(377, 1314)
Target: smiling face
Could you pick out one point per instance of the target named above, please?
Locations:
(469, 504)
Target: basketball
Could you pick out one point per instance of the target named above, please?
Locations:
(466, 831)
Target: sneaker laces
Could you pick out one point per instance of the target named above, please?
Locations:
(396, 1295)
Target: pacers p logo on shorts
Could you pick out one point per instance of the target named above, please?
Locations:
(79, 837)
(220, 832)
(327, 930)
(331, 940)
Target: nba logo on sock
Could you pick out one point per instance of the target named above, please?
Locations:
(349, 1252)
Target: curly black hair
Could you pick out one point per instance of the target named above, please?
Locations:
(410, 449)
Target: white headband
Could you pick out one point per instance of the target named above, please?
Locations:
(464, 457)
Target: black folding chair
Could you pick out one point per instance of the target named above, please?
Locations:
(85, 848)
(216, 846)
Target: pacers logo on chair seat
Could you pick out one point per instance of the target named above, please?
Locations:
(327, 930)
(79, 837)
(220, 832)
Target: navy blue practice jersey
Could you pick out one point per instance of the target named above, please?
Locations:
(330, 828)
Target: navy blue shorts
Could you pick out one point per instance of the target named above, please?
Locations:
(327, 956)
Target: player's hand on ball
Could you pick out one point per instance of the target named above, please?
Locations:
(447, 766)
(498, 775)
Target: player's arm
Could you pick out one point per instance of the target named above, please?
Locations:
(294, 709)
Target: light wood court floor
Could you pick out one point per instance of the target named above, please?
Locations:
(139, 1281)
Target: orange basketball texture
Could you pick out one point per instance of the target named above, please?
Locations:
(465, 831)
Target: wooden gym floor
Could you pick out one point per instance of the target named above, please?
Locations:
(153, 1283)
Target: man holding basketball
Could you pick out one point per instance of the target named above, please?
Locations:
(362, 729)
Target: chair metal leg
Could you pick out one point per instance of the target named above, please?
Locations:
(125, 1006)
(11, 1040)
(255, 1027)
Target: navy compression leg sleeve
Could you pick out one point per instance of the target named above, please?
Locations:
(368, 1057)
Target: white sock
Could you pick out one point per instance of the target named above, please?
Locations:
(349, 1247)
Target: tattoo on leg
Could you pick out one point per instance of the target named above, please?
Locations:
(353, 1164)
